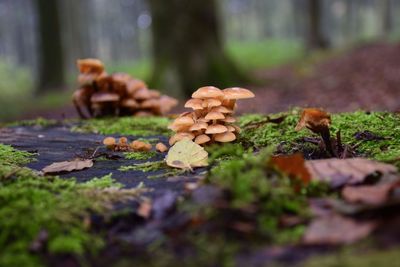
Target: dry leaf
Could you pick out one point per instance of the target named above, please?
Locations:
(339, 172)
(368, 194)
(67, 166)
(186, 154)
(293, 166)
(335, 230)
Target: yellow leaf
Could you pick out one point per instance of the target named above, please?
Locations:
(186, 154)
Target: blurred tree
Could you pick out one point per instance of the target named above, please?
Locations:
(385, 7)
(315, 38)
(187, 47)
(51, 66)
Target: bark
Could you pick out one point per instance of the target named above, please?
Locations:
(187, 47)
(51, 67)
(315, 38)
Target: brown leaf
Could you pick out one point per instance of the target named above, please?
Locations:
(68, 166)
(339, 172)
(293, 166)
(336, 230)
(368, 194)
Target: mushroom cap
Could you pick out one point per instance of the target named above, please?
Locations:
(143, 113)
(120, 77)
(237, 93)
(222, 109)
(185, 120)
(211, 102)
(208, 92)
(150, 103)
(179, 136)
(225, 137)
(154, 93)
(104, 97)
(123, 140)
(86, 79)
(202, 139)
(194, 104)
(104, 81)
(202, 120)
(109, 141)
(229, 119)
(90, 65)
(129, 103)
(198, 126)
(142, 94)
(134, 85)
(216, 128)
(167, 103)
(231, 128)
(314, 119)
(161, 147)
(214, 115)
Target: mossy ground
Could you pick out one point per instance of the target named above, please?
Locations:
(32, 204)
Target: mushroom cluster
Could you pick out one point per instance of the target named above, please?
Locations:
(212, 117)
(117, 94)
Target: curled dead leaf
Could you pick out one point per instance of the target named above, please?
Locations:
(68, 166)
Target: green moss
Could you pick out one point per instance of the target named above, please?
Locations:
(283, 135)
(137, 126)
(348, 258)
(140, 155)
(36, 122)
(30, 204)
(146, 166)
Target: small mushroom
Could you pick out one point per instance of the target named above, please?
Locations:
(229, 119)
(221, 109)
(208, 92)
(318, 121)
(161, 147)
(211, 102)
(224, 137)
(109, 142)
(214, 115)
(195, 104)
(140, 146)
(216, 128)
(198, 126)
(202, 139)
(234, 93)
(90, 65)
(179, 136)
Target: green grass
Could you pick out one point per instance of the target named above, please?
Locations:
(62, 208)
(264, 54)
(139, 155)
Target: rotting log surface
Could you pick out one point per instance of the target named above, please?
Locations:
(58, 143)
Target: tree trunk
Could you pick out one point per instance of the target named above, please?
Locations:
(187, 47)
(315, 38)
(385, 7)
(51, 67)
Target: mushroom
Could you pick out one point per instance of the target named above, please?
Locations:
(214, 115)
(317, 121)
(179, 136)
(161, 147)
(224, 137)
(202, 139)
(195, 104)
(216, 128)
(109, 142)
(234, 93)
(90, 65)
(208, 92)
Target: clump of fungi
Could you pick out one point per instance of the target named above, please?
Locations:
(117, 94)
(122, 144)
(212, 117)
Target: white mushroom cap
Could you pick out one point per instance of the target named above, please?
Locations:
(237, 93)
(202, 139)
(225, 137)
(216, 128)
(208, 92)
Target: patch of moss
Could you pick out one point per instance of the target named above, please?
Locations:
(61, 208)
(348, 258)
(283, 134)
(140, 155)
(136, 126)
(145, 167)
(36, 122)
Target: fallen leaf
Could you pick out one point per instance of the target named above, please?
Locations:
(293, 166)
(186, 154)
(339, 172)
(67, 166)
(367, 194)
(335, 230)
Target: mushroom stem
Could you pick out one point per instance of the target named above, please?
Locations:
(326, 138)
